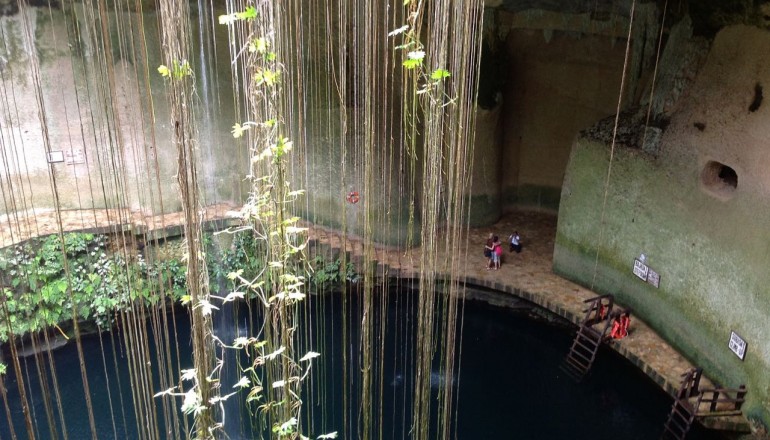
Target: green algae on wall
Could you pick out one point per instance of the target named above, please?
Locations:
(706, 253)
(485, 210)
(538, 197)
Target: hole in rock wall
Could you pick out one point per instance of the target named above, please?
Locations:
(719, 179)
(757, 101)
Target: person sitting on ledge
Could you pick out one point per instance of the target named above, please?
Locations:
(515, 241)
(620, 325)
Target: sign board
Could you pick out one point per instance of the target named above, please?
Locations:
(55, 157)
(74, 157)
(653, 278)
(640, 269)
(737, 345)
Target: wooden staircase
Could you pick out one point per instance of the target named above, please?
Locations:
(691, 402)
(679, 421)
(589, 336)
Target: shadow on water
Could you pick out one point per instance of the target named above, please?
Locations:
(509, 385)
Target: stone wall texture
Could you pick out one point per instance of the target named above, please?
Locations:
(105, 113)
(704, 231)
(694, 201)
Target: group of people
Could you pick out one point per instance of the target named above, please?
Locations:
(493, 249)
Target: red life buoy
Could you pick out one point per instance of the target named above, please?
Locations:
(353, 197)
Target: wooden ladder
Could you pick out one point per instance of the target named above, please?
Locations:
(683, 411)
(679, 420)
(692, 402)
(589, 337)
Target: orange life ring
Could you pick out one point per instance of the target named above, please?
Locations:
(353, 197)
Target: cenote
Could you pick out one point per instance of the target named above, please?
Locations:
(509, 385)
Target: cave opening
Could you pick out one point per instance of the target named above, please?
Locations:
(719, 179)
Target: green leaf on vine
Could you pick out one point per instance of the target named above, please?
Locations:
(249, 14)
(440, 74)
(414, 59)
(411, 64)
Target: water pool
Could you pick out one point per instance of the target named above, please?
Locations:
(509, 385)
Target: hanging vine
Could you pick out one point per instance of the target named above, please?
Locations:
(276, 372)
(202, 397)
(438, 113)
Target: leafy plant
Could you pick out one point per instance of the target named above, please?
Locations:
(415, 62)
(178, 70)
(41, 293)
(328, 275)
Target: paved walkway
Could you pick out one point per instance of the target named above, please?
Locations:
(527, 275)
(18, 227)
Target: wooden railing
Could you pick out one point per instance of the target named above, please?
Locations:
(721, 401)
(599, 309)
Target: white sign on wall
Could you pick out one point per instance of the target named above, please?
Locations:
(737, 345)
(55, 157)
(645, 273)
(74, 157)
(640, 269)
(653, 278)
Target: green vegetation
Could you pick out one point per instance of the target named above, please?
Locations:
(329, 275)
(245, 259)
(104, 281)
(41, 290)
(178, 70)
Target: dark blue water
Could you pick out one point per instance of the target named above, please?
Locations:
(509, 385)
(67, 365)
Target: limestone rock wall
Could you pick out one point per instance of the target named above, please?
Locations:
(103, 114)
(556, 68)
(697, 209)
(556, 84)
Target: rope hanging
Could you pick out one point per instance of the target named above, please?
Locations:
(612, 146)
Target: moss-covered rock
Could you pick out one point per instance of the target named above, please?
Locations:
(709, 284)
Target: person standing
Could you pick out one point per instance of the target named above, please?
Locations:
(488, 248)
(497, 251)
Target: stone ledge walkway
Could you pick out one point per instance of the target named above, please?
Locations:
(527, 275)
(19, 227)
